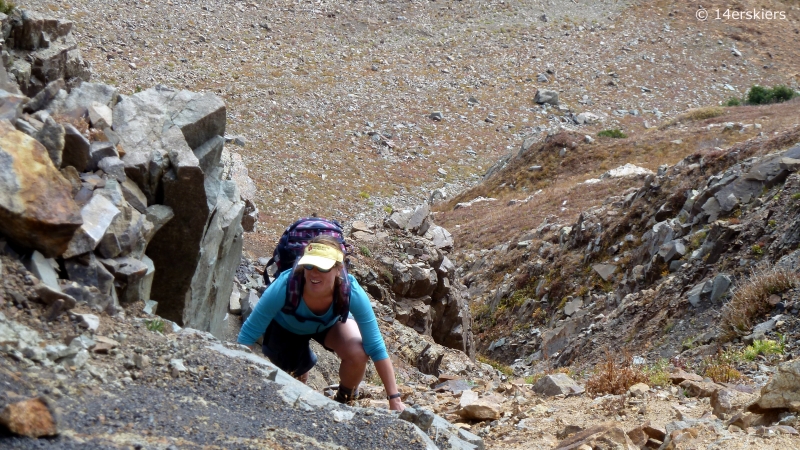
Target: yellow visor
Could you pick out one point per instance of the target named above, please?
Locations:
(321, 255)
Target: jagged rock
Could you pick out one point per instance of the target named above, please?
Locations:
(607, 435)
(700, 389)
(44, 269)
(783, 390)
(440, 237)
(249, 301)
(36, 205)
(247, 189)
(700, 292)
(129, 274)
(134, 195)
(33, 418)
(77, 149)
(672, 250)
(790, 164)
(419, 417)
(100, 115)
(97, 216)
(52, 136)
(546, 96)
(52, 51)
(87, 270)
(720, 286)
(113, 166)
(124, 233)
(557, 384)
(76, 104)
(680, 376)
(606, 271)
(475, 408)
(45, 96)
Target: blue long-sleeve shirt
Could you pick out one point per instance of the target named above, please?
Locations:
(269, 308)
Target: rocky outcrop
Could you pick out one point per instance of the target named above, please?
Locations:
(417, 280)
(142, 207)
(42, 50)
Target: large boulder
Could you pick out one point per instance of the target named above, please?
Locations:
(36, 205)
(783, 390)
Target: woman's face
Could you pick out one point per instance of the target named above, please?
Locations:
(319, 283)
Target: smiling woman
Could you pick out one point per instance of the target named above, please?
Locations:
(314, 300)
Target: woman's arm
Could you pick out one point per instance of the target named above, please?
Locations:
(268, 305)
(386, 372)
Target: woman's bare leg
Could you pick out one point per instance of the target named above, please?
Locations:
(345, 340)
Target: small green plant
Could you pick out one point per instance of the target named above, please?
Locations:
(363, 195)
(772, 223)
(796, 196)
(757, 251)
(365, 251)
(765, 347)
(615, 133)
(388, 209)
(155, 325)
(507, 371)
(657, 373)
(6, 7)
(733, 101)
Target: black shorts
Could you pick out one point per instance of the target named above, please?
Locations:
(289, 351)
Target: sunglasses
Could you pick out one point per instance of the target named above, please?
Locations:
(312, 267)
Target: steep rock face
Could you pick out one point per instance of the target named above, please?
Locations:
(173, 145)
(36, 205)
(143, 207)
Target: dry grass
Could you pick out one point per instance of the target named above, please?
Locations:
(695, 115)
(749, 301)
(721, 368)
(613, 377)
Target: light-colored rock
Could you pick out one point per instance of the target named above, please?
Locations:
(783, 390)
(546, 96)
(475, 408)
(557, 384)
(97, 216)
(100, 115)
(36, 205)
(639, 390)
(88, 321)
(608, 435)
(606, 271)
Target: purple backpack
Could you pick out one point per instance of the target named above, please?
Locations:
(289, 249)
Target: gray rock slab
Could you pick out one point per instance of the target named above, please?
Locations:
(783, 390)
(546, 96)
(99, 150)
(606, 271)
(87, 270)
(557, 384)
(44, 269)
(129, 274)
(97, 215)
(134, 195)
(720, 286)
(77, 149)
(77, 103)
(113, 166)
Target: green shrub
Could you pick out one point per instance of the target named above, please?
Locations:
(733, 101)
(760, 95)
(6, 7)
(614, 133)
(365, 251)
(765, 347)
(782, 93)
(155, 325)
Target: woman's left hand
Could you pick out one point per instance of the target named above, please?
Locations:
(396, 404)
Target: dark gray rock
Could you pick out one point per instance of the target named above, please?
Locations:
(77, 149)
